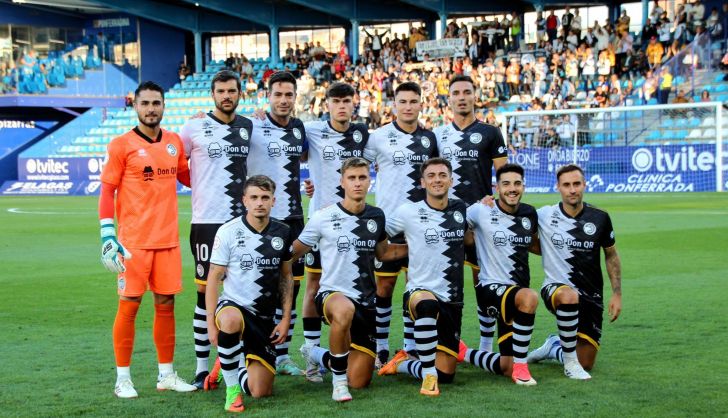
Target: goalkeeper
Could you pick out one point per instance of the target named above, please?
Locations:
(139, 184)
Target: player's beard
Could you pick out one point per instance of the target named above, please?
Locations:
(152, 125)
(219, 106)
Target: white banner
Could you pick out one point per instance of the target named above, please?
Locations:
(441, 48)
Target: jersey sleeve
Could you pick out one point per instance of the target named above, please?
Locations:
(395, 222)
(370, 153)
(381, 226)
(220, 249)
(471, 215)
(185, 135)
(182, 165)
(302, 127)
(498, 146)
(115, 163)
(311, 233)
(288, 245)
(607, 237)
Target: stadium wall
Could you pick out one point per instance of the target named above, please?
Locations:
(19, 15)
(17, 135)
(162, 49)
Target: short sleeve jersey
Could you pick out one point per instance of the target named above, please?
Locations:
(502, 240)
(327, 149)
(275, 151)
(571, 247)
(399, 156)
(471, 152)
(218, 154)
(145, 172)
(347, 243)
(435, 241)
(253, 261)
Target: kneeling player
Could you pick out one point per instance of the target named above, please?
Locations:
(349, 235)
(252, 254)
(435, 231)
(504, 234)
(572, 233)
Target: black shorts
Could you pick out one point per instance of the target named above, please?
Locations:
(591, 313)
(362, 326)
(449, 322)
(313, 260)
(202, 236)
(499, 301)
(391, 268)
(296, 226)
(471, 257)
(256, 335)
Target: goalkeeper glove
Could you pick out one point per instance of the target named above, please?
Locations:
(111, 247)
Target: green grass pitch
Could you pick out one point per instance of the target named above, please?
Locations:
(663, 357)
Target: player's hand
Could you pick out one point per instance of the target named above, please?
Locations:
(488, 201)
(280, 332)
(615, 307)
(198, 115)
(212, 331)
(111, 248)
(308, 187)
(259, 114)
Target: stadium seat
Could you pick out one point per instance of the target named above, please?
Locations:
(708, 122)
(667, 123)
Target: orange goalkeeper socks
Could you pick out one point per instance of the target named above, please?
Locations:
(164, 332)
(123, 332)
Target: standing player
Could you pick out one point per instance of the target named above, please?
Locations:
(435, 230)
(504, 235)
(473, 148)
(330, 143)
(398, 149)
(217, 145)
(277, 145)
(571, 234)
(252, 255)
(349, 235)
(142, 169)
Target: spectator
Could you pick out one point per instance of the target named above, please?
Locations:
(656, 12)
(513, 73)
(552, 26)
(376, 41)
(576, 23)
(516, 30)
(516, 141)
(129, 100)
(681, 98)
(566, 20)
(705, 96)
(654, 52)
(230, 62)
(290, 54)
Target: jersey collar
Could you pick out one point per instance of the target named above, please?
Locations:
(146, 138)
(215, 118)
(290, 120)
(253, 230)
(578, 215)
(328, 122)
(399, 128)
(465, 128)
(343, 209)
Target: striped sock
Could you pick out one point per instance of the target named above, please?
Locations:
(338, 364)
(487, 331)
(485, 360)
(522, 328)
(567, 320)
(199, 328)
(383, 319)
(426, 343)
(312, 331)
(229, 348)
(409, 334)
(411, 367)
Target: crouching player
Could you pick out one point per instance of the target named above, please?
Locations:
(435, 230)
(349, 234)
(252, 254)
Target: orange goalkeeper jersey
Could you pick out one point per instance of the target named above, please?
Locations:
(145, 172)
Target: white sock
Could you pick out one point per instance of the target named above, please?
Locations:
(165, 369)
(123, 373)
(317, 354)
(201, 365)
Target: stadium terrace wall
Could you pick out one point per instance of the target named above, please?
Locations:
(16, 14)
(663, 168)
(162, 49)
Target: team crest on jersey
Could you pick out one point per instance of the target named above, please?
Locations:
(342, 244)
(309, 259)
(371, 226)
(589, 228)
(476, 138)
(277, 243)
(171, 150)
(431, 236)
(501, 290)
(296, 133)
(458, 217)
(357, 136)
(526, 224)
(378, 264)
(246, 262)
(499, 239)
(200, 270)
(425, 142)
(243, 134)
(214, 150)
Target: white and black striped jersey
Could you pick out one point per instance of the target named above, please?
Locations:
(275, 151)
(253, 261)
(436, 251)
(471, 152)
(399, 156)
(502, 240)
(347, 243)
(218, 154)
(327, 149)
(571, 247)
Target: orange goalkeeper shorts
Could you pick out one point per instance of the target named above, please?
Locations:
(157, 270)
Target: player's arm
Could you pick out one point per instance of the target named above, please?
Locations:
(214, 278)
(110, 246)
(469, 239)
(535, 246)
(285, 290)
(614, 270)
(385, 251)
(299, 250)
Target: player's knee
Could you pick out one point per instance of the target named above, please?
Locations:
(427, 308)
(445, 378)
(385, 286)
(567, 296)
(229, 323)
(527, 300)
(342, 314)
(201, 288)
(260, 391)
(163, 299)
(359, 382)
